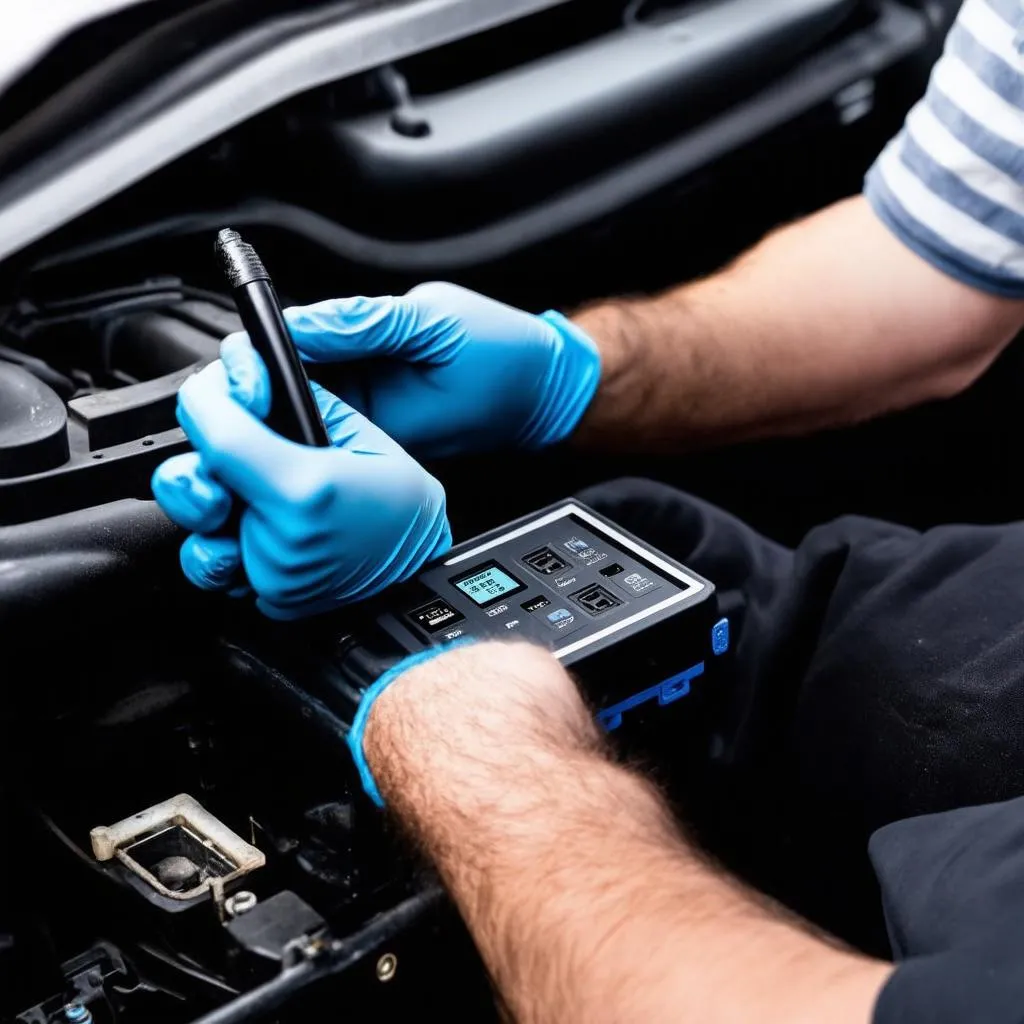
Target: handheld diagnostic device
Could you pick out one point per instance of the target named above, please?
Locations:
(639, 631)
(636, 626)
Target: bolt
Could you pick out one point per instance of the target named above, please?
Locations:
(77, 1013)
(386, 967)
(241, 903)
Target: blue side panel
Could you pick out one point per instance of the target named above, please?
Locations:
(666, 692)
(720, 636)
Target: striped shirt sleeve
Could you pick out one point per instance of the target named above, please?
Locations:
(951, 184)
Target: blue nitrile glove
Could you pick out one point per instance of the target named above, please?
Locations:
(320, 526)
(454, 371)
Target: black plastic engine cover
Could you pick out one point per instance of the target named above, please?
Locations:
(33, 424)
(474, 151)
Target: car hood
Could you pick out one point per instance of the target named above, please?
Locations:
(27, 32)
(186, 75)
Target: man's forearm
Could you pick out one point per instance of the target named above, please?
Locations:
(585, 900)
(827, 322)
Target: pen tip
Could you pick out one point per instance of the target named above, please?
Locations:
(239, 261)
(226, 235)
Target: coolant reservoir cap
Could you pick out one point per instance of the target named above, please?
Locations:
(33, 424)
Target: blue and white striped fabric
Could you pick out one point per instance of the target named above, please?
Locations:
(951, 184)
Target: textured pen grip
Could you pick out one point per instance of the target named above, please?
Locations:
(239, 260)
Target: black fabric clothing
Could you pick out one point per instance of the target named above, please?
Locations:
(878, 675)
(953, 890)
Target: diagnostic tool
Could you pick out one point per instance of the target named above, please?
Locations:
(640, 631)
(638, 628)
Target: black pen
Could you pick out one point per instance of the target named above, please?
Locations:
(293, 409)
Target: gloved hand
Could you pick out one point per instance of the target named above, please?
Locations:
(320, 526)
(454, 371)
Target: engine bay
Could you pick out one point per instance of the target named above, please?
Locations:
(186, 841)
(261, 868)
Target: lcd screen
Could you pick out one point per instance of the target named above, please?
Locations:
(487, 583)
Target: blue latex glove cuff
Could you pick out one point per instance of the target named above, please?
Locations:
(570, 388)
(355, 734)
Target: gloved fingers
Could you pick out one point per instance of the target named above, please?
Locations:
(416, 415)
(349, 429)
(360, 327)
(281, 558)
(189, 495)
(293, 605)
(289, 613)
(248, 380)
(359, 395)
(286, 587)
(213, 563)
(288, 572)
(243, 453)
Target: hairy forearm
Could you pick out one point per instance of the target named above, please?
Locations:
(827, 322)
(585, 900)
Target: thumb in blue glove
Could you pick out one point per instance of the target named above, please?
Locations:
(321, 526)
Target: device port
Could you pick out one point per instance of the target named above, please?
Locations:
(436, 616)
(595, 599)
(545, 561)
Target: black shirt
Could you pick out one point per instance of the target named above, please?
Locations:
(953, 892)
(877, 683)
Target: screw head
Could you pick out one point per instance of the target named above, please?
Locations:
(387, 965)
(77, 1013)
(240, 903)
